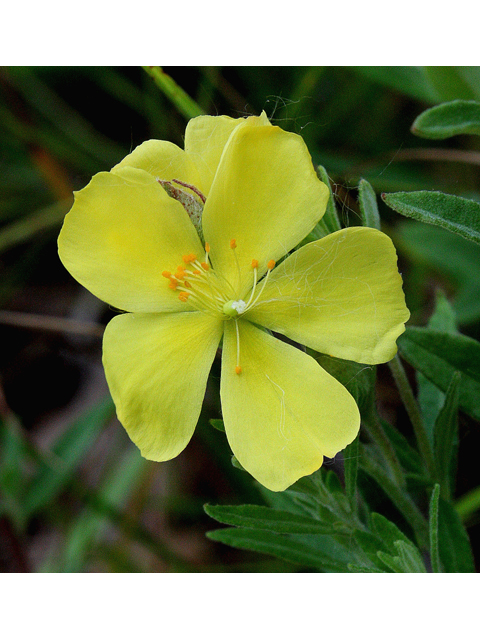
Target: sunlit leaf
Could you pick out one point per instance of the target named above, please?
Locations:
(453, 213)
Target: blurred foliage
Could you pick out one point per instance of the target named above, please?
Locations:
(75, 494)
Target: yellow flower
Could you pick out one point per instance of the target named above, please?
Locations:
(186, 242)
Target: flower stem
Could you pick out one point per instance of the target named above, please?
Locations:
(414, 414)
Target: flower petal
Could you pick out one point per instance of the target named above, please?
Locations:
(121, 233)
(341, 295)
(266, 196)
(157, 367)
(205, 139)
(283, 412)
(163, 160)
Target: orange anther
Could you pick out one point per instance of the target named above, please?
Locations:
(254, 264)
(173, 284)
(187, 284)
(183, 296)
(166, 274)
(207, 247)
(180, 273)
(197, 272)
(238, 370)
(233, 244)
(191, 257)
(271, 264)
(205, 266)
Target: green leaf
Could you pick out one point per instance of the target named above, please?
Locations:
(438, 354)
(287, 548)
(392, 562)
(371, 544)
(330, 220)
(387, 531)
(68, 453)
(446, 435)
(453, 213)
(408, 456)
(454, 545)
(406, 560)
(356, 568)
(430, 397)
(399, 497)
(367, 200)
(448, 119)
(433, 528)
(268, 519)
(217, 424)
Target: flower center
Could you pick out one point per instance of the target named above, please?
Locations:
(197, 284)
(234, 308)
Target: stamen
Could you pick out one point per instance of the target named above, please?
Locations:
(180, 274)
(187, 284)
(191, 257)
(233, 245)
(183, 296)
(207, 248)
(254, 281)
(173, 284)
(166, 274)
(238, 368)
(205, 266)
(270, 265)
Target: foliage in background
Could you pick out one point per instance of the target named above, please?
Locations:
(76, 495)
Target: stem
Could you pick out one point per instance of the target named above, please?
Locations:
(375, 430)
(433, 524)
(414, 414)
(184, 103)
(468, 504)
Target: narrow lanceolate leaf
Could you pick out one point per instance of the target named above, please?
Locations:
(448, 119)
(438, 354)
(259, 517)
(410, 557)
(407, 560)
(387, 531)
(446, 434)
(290, 549)
(453, 213)
(433, 526)
(454, 545)
(367, 201)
